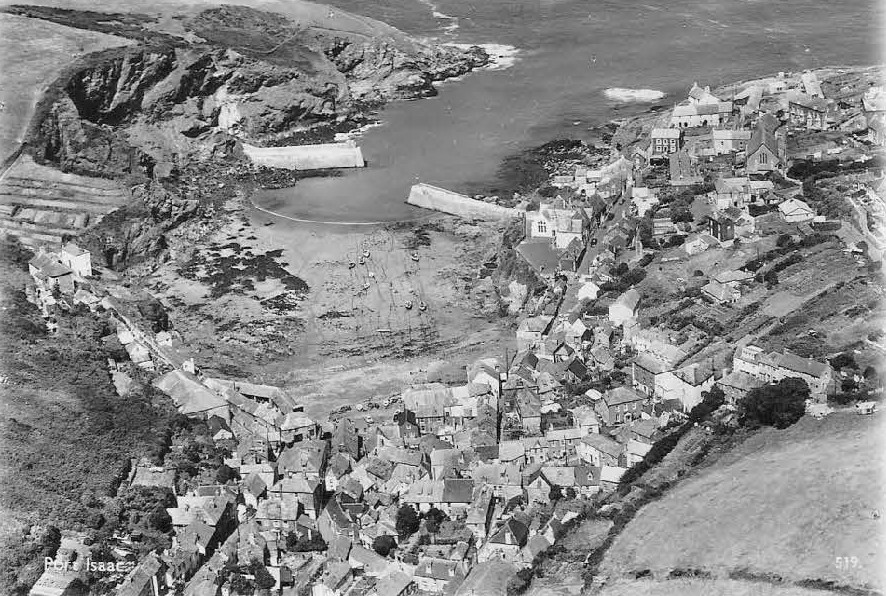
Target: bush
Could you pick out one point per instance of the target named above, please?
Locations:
(383, 545)
(407, 522)
(297, 544)
(775, 404)
(783, 240)
(844, 360)
(433, 518)
(519, 583)
(710, 401)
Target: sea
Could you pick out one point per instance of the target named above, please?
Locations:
(564, 67)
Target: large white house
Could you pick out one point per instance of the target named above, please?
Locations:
(562, 225)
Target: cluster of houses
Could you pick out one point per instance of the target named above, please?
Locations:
(60, 279)
(315, 500)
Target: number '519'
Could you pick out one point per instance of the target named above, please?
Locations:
(846, 563)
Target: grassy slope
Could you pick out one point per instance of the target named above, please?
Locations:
(306, 14)
(784, 502)
(704, 587)
(32, 54)
(63, 428)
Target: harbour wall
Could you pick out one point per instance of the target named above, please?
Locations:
(307, 157)
(446, 201)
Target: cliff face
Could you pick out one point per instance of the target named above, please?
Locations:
(253, 75)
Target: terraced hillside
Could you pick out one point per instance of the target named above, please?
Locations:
(39, 204)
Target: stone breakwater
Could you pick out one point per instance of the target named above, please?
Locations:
(446, 201)
(307, 157)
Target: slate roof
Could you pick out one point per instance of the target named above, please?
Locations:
(393, 584)
(253, 484)
(49, 265)
(517, 530)
(764, 134)
(621, 395)
(603, 444)
(805, 366)
(666, 133)
(540, 255)
(305, 456)
(188, 393)
(629, 299)
(458, 490)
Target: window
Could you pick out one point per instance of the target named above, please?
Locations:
(763, 157)
(542, 227)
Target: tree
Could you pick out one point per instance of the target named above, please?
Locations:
(556, 493)
(433, 518)
(224, 474)
(50, 541)
(783, 240)
(407, 522)
(844, 360)
(681, 214)
(263, 578)
(384, 544)
(518, 583)
(301, 544)
(570, 493)
(710, 401)
(775, 404)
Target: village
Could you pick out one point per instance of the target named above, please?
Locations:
(673, 268)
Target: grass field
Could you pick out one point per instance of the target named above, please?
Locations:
(32, 54)
(785, 502)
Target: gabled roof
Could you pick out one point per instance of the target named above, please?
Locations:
(764, 135)
(510, 450)
(298, 485)
(728, 134)
(305, 456)
(511, 532)
(393, 584)
(806, 366)
(73, 250)
(577, 368)
(794, 205)
(437, 568)
(666, 133)
(188, 393)
(49, 265)
(612, 473)
(458, 490)
(540, 255)
(603, 444)
(629, 299)
(253, 484)
(621, 395)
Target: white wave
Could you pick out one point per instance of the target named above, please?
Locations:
(355, 134)
(452, 25)
(501, 56)
(633, 95)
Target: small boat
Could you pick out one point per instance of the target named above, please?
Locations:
(422, 306)
(408, 304)
(366, 286)
(351, 265)
(361, 261)
(371, 274)
(365, 254)
(414, 256)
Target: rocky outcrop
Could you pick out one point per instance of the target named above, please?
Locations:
(241, 75)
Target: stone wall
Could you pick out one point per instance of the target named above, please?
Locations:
(440, 199)
(307, 157)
